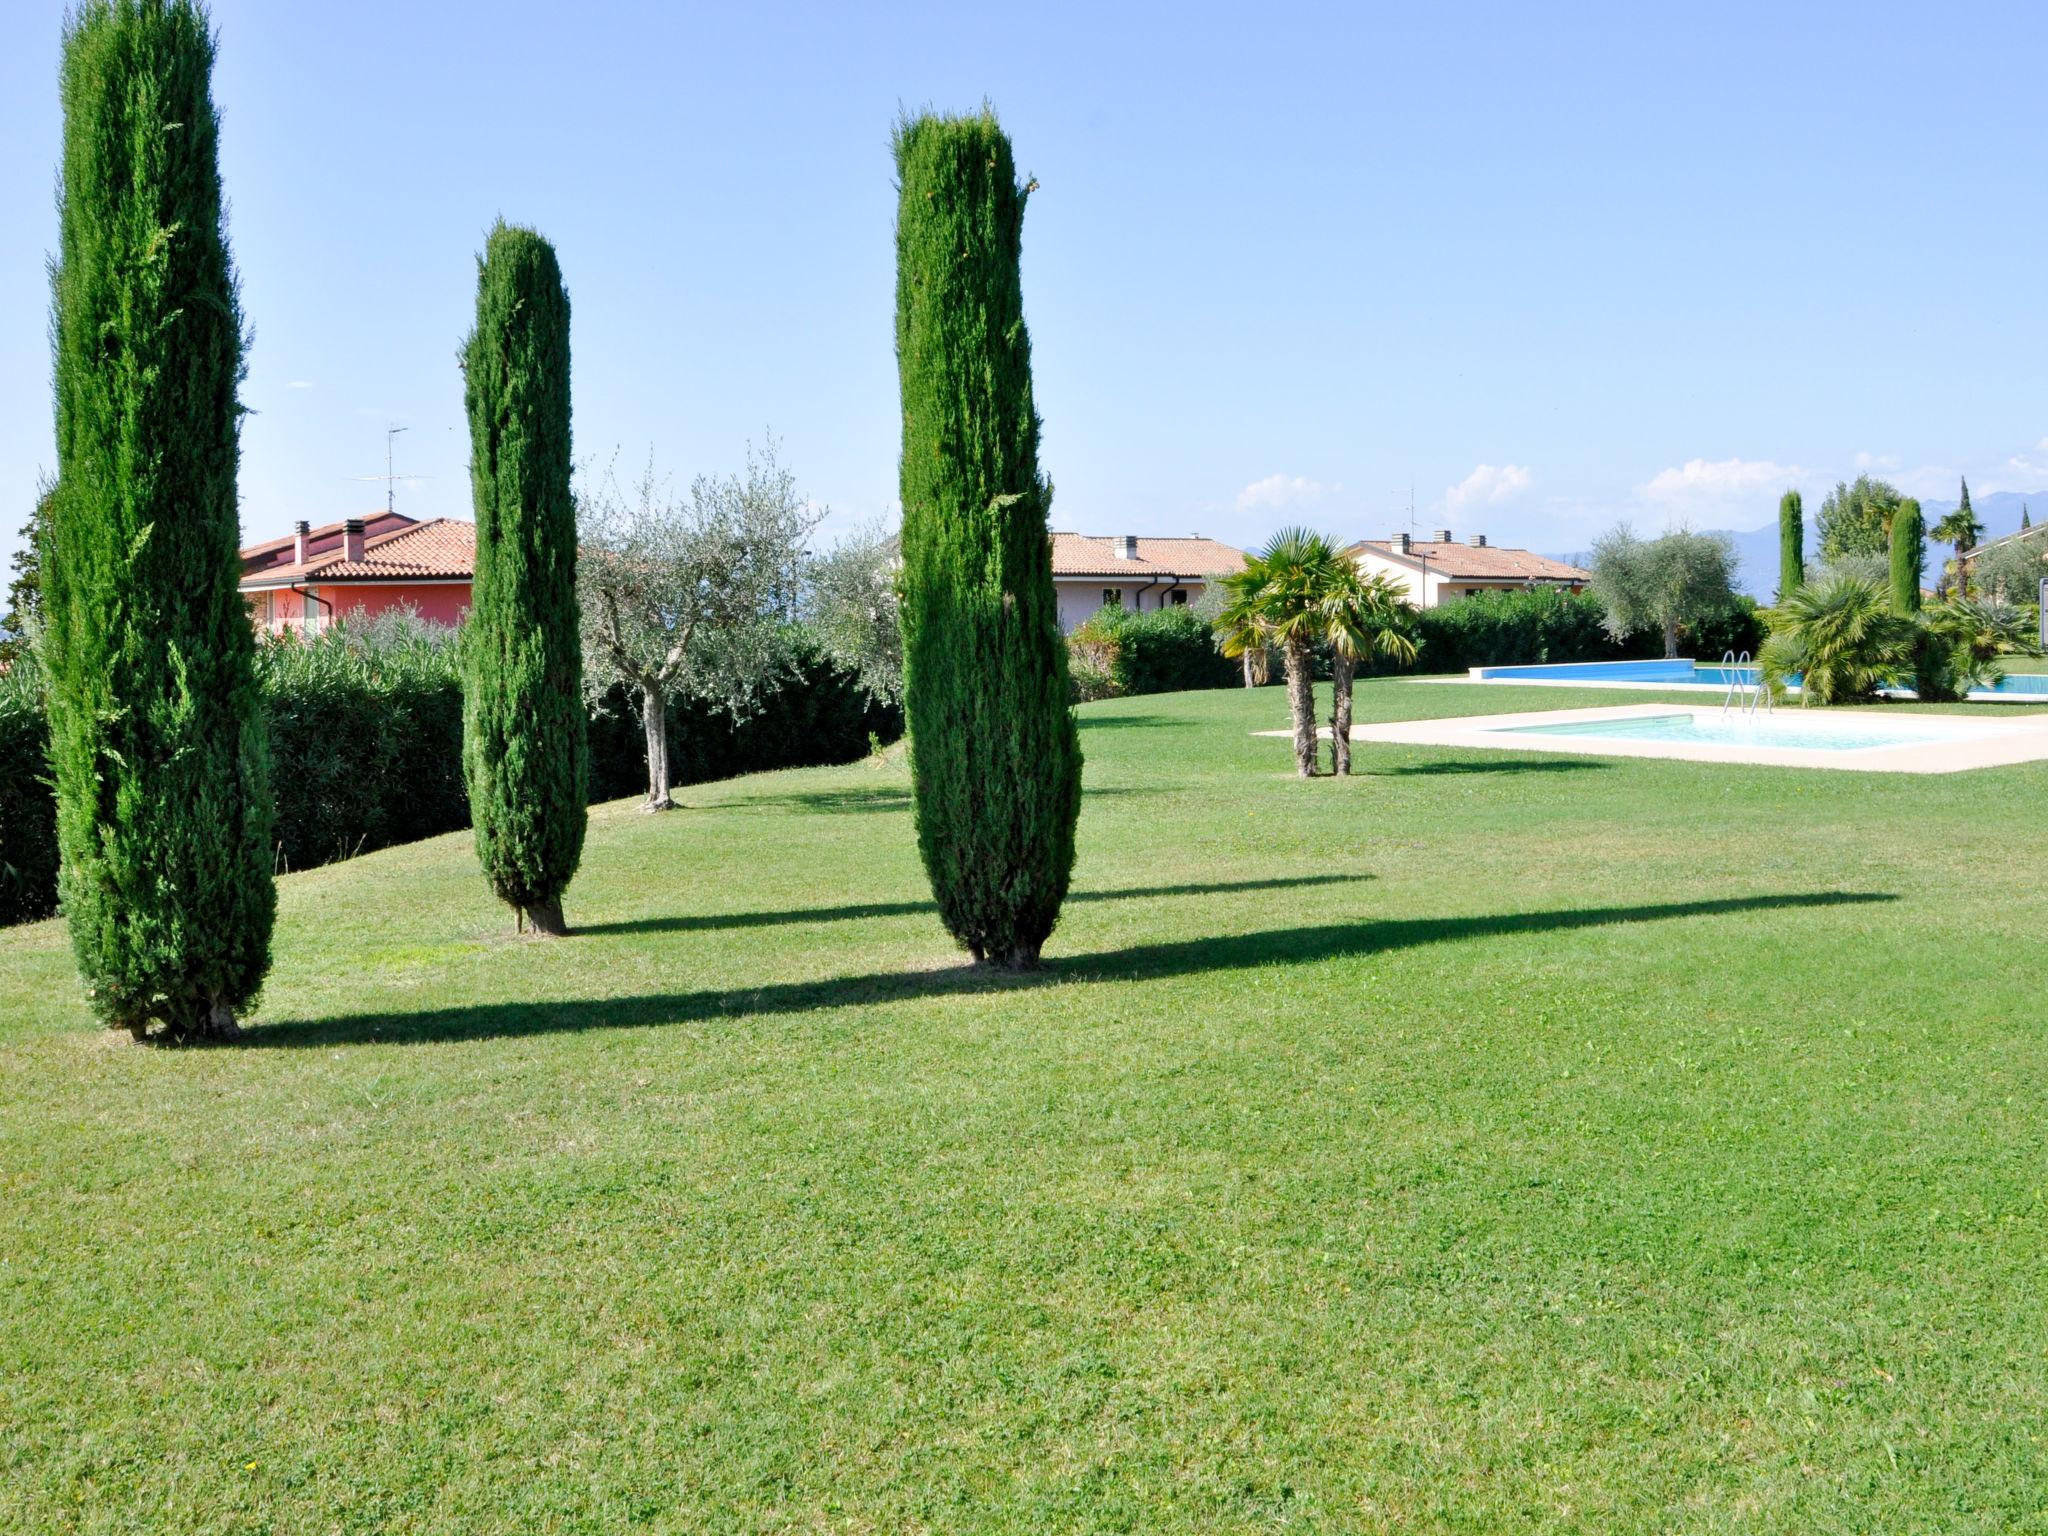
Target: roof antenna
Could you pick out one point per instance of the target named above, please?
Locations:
(390, 475)
(390, 479)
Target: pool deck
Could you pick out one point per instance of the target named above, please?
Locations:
(1970, 742)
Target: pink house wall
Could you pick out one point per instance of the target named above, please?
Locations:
(438, 602)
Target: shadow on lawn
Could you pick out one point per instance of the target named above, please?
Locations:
(1475, 765)
(833, 801)
(1139, 962)
(867, 909)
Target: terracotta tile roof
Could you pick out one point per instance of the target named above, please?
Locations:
(1080, 554)
(440, 549)
(1475, 562)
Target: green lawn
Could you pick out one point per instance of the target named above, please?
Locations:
(1489, 1142)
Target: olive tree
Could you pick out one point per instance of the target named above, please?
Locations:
(690, 596)
(1666, 583)
(853, 609)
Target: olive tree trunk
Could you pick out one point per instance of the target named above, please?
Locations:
(654, 716)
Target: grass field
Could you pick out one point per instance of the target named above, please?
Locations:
(1488, 1142)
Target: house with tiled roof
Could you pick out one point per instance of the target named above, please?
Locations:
(1125, 570)
(1443, 569)
(359, 568)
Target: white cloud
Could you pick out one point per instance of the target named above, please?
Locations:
(1488, 486)
(1712, 485)
(1276, 493)
(300, 384)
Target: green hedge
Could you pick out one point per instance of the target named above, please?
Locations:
(366, 748)
(28, 811)
(1548, 626)
(1163, 650)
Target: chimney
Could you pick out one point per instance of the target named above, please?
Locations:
(1403, 543)
(299, 531)
(352, 539)
(1479, 541)
(1443, 535)
(1127, 546)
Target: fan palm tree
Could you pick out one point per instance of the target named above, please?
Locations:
(1278, 597)
(1240, 634)
(1362, 615)
(1840, 638)
(1962, 530)
(1969, 634)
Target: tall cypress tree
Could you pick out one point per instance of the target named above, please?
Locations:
(1791, 544)
(523, 746)
(995, 758)
(1909, 533)
(157, 743)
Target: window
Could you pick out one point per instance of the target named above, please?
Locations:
(1112, 597)
(1177, 598)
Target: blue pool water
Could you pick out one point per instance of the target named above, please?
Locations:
(2029, 685)
(1736, 731)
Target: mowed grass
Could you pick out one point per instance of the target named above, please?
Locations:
(1489, 1142)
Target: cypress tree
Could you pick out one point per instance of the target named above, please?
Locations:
(523, 747)
(157, 744)
(995, 758)
(1791, 544)
(1909, 533)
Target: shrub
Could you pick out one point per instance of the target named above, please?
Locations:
(996, 766)
(156, 724)
(28, 813)
(1162, 650)
(366, 732)
(1840, 638)
(366, 736)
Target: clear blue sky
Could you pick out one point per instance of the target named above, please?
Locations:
(1550, 266)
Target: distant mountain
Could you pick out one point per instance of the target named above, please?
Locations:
(1756, 549)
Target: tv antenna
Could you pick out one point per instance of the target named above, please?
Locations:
(390, 475)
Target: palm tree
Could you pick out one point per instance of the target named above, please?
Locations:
(1961, 529)
(1970, 634)
(1239, 633)
(1362, 615)
(1840, 638)
(1278, 599)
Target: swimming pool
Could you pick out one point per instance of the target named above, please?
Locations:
(1698, 727)
(1683, 672)
(1881, 739)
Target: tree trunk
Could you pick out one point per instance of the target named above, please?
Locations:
(1249, 681)
(1342, 670)
(654, 715)
(546, 917)
(1670, 639)
(1301, 701)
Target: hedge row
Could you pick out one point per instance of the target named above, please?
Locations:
(1165, 650)
(1547, 626)
(366, 749)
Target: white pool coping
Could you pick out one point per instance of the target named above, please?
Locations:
(1971, 743)
(1719, 690)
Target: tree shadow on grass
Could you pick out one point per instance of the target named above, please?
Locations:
(1478, 765)
(696, 922)
(1138, 962)
(834, 801)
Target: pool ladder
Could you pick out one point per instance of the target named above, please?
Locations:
(1752, 696)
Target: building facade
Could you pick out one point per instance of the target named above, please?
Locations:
(1440, 570)
(1091, 572)
(358, 569)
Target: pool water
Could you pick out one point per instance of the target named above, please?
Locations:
(2026, 685)
(1738, 731)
